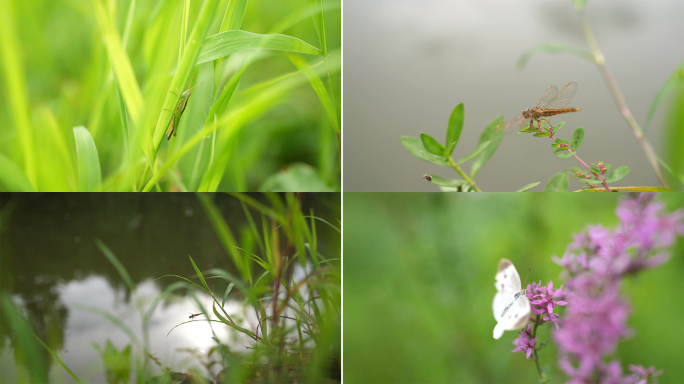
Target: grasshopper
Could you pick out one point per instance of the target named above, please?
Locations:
(180, 108)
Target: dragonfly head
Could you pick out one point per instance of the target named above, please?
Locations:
(527, 114)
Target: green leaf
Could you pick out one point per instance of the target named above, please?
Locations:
(542, 134)
(12, 178)
(558, 183)
(474, 153)
(676, 78)
(121, 64)
(319, 88)
(227, 43)
(455, 127)
(552, 48)
(442, 182)
(89, 176)
(180, 79)
(617, 174)
(565, 155)
(225, 294)
(432, 145)
(415, 146)
(489, 134)
(680, 177)
(577, 138)
(437, 159)
(528, 187)
(295, 177)
(558, 126)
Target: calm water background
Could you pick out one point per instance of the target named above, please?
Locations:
(407, 64)
(50, 264)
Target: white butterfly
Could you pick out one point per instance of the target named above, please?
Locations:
(511, 306)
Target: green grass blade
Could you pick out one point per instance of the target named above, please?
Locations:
(197, 36)
(254, 106)
(673, 135)
(232, 20)
(230, 42)
(320, 90)
(15, 87)
(223, 231)
(56, 357)
(675, 79)
(184, 28)
(12, 177)
(225, 294)
(295, 178)
(116, 263)
(232, 324)
(300, 14)
(552, 48)
(89, 176)
(112, 319)
(57, 139)
(528, 187)
(199, 274)
(235, 12)
(121, 64)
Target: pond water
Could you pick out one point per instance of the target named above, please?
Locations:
(58, 276)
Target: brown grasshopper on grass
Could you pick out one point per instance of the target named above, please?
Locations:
(180, 108)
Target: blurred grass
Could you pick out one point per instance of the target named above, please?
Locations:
(113, 68)
(418, 285)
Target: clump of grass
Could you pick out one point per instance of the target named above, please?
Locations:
(273, 267)
(97, 121)
(297, 332)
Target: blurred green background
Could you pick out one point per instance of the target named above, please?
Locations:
(56, 74)
(418, 285)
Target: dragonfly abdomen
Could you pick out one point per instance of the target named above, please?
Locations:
(551, 112)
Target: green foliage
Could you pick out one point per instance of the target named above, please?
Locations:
(455, 127)
(529, 186)
(492, 135)
(617, 174)
(429, 149)
(577, 138)
(89, 177)
(117, 363)
(675, 80)
(552, 48)
(432, 145)
(254, 117)
(558, 183)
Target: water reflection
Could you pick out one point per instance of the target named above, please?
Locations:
(53, 270)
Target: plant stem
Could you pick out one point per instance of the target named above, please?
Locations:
(463, 175)
(534, 350)
(617, 95)
(602, 178)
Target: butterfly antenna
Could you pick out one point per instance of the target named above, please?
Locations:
(528, 275)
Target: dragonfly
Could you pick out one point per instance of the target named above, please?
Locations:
(192, 316)
(551, 103)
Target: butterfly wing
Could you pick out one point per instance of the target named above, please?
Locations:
(507, 285)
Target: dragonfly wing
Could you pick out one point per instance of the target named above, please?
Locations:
(563, 97)
(550, 93)
(516, 122)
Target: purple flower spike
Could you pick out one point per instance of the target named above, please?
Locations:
(595, 263)
(524, 343)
